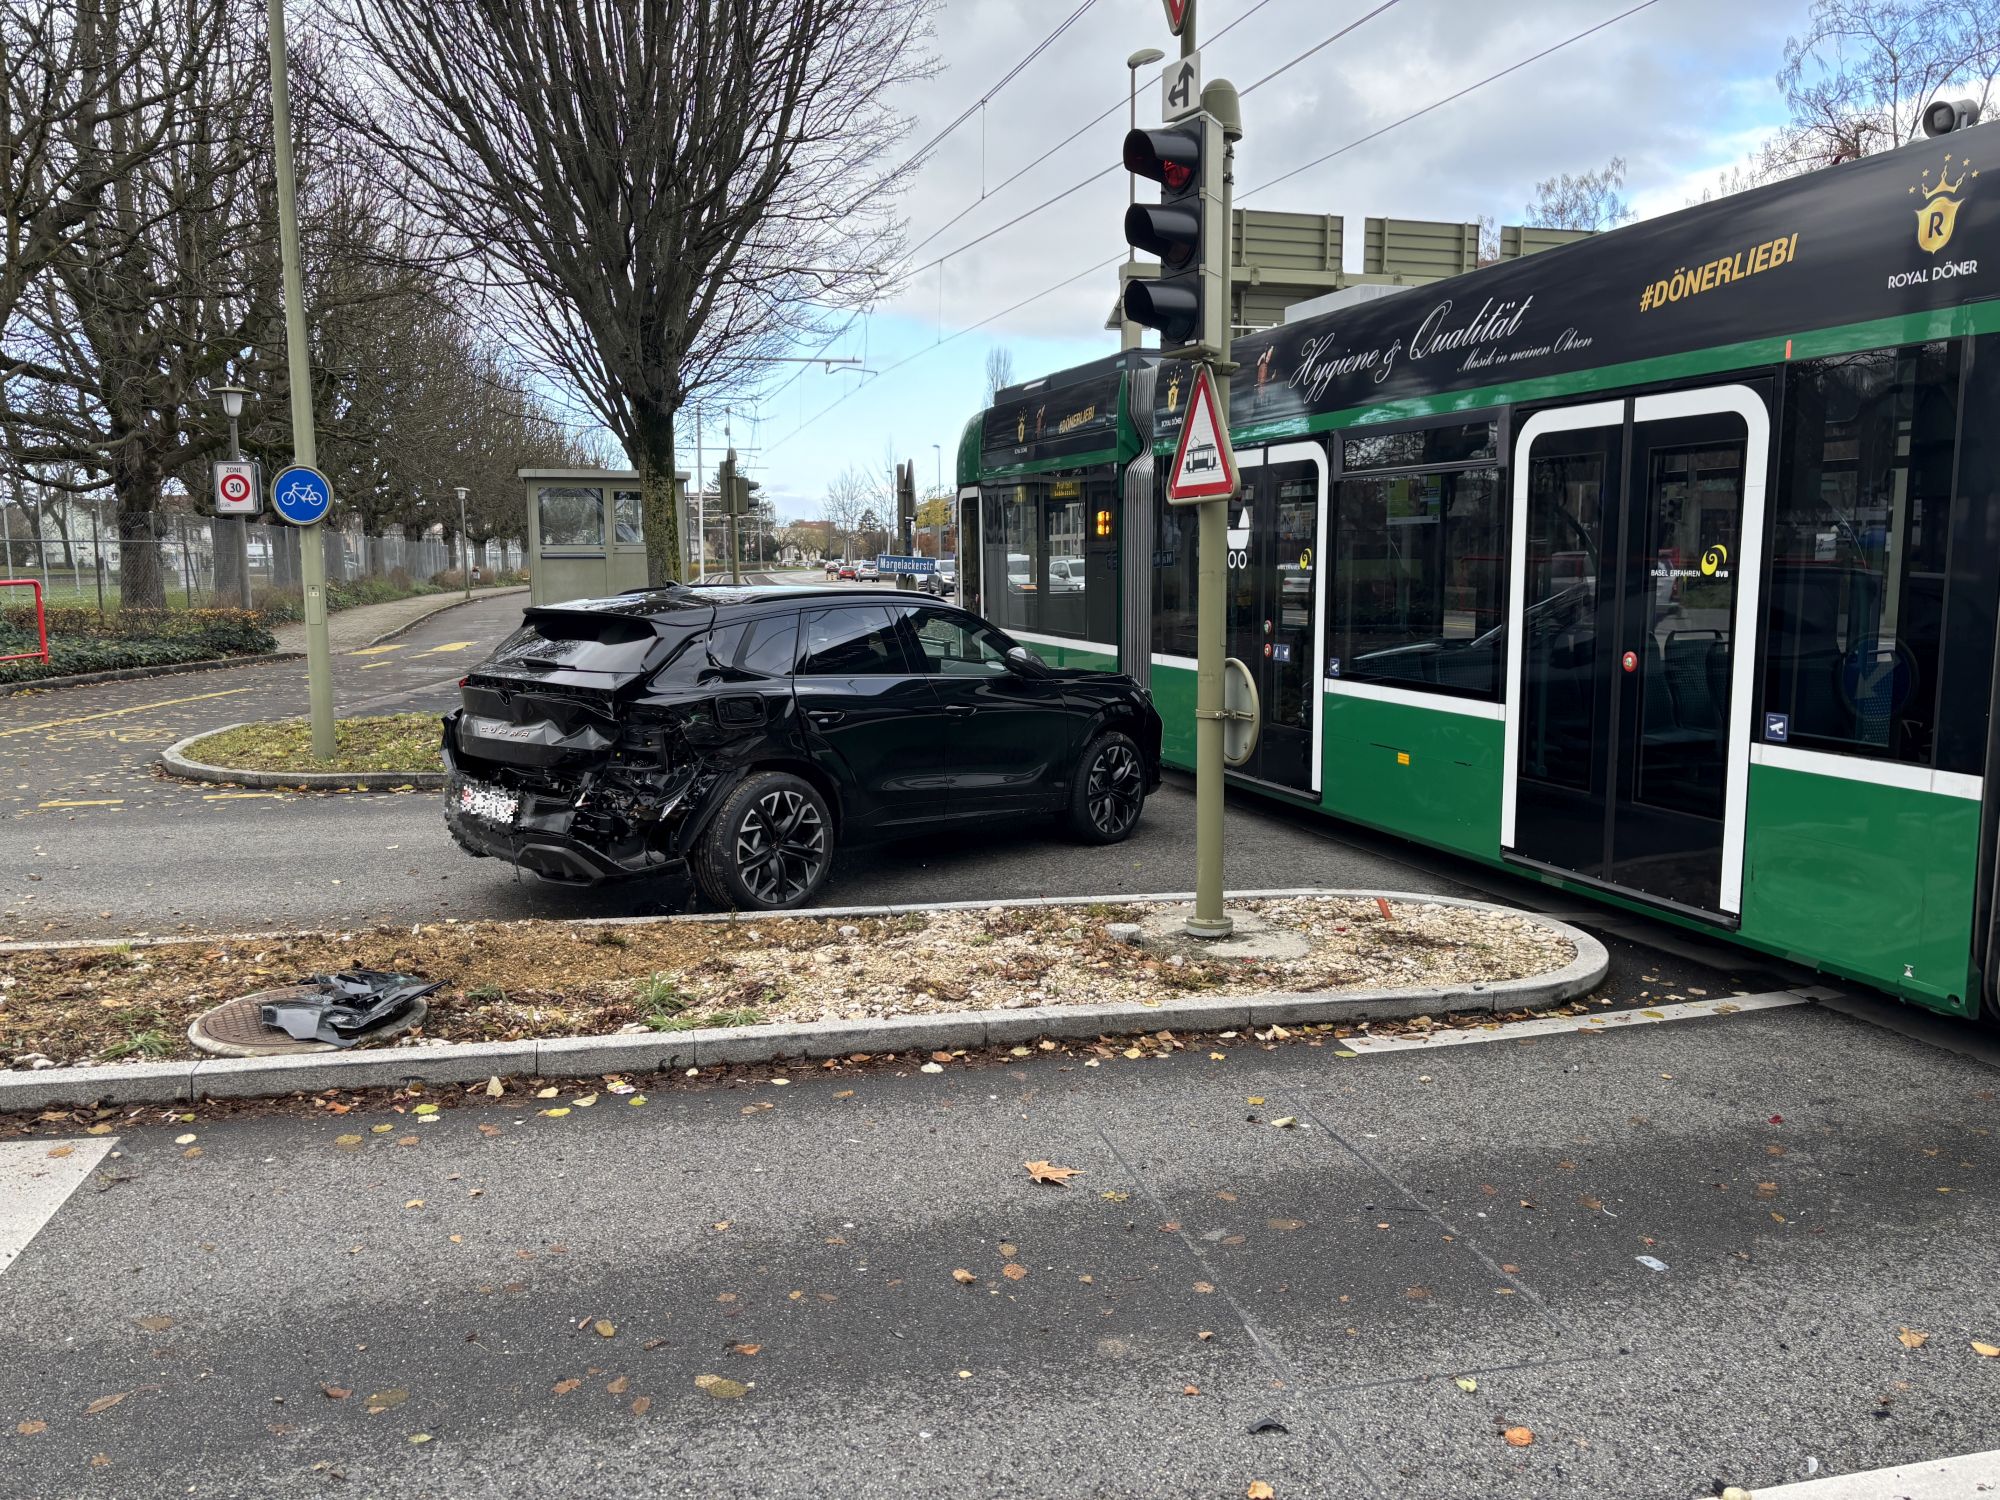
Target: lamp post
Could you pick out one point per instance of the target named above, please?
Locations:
(1128, 331)
(231, 397)
(464, 543)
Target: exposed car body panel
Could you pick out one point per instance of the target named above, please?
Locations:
(599, 741)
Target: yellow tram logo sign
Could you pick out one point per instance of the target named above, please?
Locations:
(1713, 559)
(1938, 215)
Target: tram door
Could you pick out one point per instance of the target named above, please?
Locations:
(1637, 532)
(1274, 613)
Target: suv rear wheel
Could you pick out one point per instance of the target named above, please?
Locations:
(1108, 791)
(770, 846)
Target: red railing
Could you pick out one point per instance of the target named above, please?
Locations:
(41, 619)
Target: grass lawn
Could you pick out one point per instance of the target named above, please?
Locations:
(391, 742)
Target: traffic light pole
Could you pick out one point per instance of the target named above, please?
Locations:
(1210, 920)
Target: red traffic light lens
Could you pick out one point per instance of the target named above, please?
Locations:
(1168, 157)
(1176, 175)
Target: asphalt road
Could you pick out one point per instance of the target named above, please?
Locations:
(1809, 1186)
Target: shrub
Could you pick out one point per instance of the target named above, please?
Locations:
(80, 640)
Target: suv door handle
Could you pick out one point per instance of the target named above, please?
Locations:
(960, 710)
(826, 716)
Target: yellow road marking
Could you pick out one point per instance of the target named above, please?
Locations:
(115, 712)
(376, 650)
(374, 664)
(101, 802)
(448, 646)
(236, 796)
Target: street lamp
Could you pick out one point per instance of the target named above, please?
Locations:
(1128, 331)
(464, 542)
(231, 397)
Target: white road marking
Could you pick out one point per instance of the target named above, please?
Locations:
(1965, 1478)
(33, 1185)
(1618, 1020)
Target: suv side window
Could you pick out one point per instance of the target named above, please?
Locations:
(771, 646)
(703, 659)
(956, 645)
(855, 640)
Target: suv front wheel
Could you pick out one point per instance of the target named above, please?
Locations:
(1108, 791)
(770, 847)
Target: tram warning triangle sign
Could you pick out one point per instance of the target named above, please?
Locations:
(1176, 15)
(1204, 463)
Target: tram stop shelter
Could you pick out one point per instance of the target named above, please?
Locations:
(586, 534)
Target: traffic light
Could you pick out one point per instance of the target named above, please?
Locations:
(1186, 302)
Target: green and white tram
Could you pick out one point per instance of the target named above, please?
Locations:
(1661, 566)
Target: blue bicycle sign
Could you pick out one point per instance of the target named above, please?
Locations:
(301, 495)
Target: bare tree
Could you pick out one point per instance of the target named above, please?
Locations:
(847, 499)
(1588, 200)
(660, 191)
(1857, 80)
(999, 372)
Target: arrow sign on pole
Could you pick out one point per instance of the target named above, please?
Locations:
(1204, 463)
(1176, 15)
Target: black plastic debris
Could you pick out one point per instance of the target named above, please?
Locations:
(1267, 1424)
(349, 1006)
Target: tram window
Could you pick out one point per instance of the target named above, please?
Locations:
(1174, 529)
(1064, 591)
(1859, 558)
(1013, 558)
(1419, 574)
(1463, 443)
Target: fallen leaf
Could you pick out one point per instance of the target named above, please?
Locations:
(1190, 1390)
(1767, 1190)
(61, 1151)
(105, 1403)
(1986, 1351)
(546, 1093)
(1259, 1491)
(1283, 1122)
(1466, 1383)
(1416, 1293)
(31, 1427)
(98, 1130)
(1014, 1271)
(381, 1401)
(1045, 1171)
(1205, 1335)
(605, 1330)
(1518, 1437)
(184, 1140)
(931, 1068)
(1112, 1195)
(347, 1142)
(380, 1129)
(556, 1114)
(407, 1140)
(745, 1349)
(1284, 1226)
(420, 1437)
(845, 1094)
(619, 1386)
(586, 1101)
(564, 1387)
(192, 1151)
(1204, 1287)
(641, 1405)
(720, 1225)
(336, 1392)
(963, 1277)
(1254, 1099)
(721, 1387)
(494, 1087)
(425, 1109)
(1909, 1338)
(414, 1203)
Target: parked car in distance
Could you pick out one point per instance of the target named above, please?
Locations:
(868, 571)
(742, 735)
(943, 583)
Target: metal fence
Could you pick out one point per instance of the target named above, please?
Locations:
(202, 563)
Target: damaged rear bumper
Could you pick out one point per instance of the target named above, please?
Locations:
(582, 832)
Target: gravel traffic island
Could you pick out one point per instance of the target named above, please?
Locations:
(582, 998)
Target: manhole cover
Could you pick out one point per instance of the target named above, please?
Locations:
(236, 1027)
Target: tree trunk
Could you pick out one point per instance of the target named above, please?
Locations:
(142, 580)
(659, 497)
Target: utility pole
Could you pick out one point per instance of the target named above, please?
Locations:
(312, 557)
(730, 486)
(464, 544)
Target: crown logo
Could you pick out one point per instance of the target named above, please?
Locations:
(1945, 182)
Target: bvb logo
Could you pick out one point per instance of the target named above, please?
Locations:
(1713, 559)
(1939, 214)
(1174, 392)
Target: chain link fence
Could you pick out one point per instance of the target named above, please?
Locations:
(196, 562)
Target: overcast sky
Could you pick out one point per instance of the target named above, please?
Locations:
(1682, 90)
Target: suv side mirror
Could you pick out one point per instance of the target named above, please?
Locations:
(1023, 663)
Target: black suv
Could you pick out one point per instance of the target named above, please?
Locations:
(740, 733)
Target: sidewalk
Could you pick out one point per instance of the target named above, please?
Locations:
(351, 629)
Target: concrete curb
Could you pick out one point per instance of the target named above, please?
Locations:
(590, 1056)
(174, 761)
(136, 674)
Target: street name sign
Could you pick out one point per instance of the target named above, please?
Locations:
(890, 563)
(236, 488)
(1180, 87)
(301, 495)
(1204, 463)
